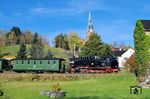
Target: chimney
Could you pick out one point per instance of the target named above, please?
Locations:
(120, 49)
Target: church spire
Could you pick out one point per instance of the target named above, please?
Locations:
(90, 29)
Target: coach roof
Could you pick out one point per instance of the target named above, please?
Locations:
(39, 59)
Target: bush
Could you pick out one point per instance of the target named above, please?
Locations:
(7, 77)
(56, 87)
(130, 64)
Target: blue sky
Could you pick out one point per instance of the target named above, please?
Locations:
(114, 20)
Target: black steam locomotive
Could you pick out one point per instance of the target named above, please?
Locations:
(94, 64)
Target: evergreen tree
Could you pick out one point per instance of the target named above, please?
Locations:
(61, 41)
(95, 47)
(65, 44)
(105, 50)
(56, 42)
(49, 54)
(37, 47)
(22, 51)
(41, 48)
(141, 49)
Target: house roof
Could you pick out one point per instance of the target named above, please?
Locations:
(118, 53)
(146, 24)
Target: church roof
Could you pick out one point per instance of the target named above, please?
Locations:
(90, 29)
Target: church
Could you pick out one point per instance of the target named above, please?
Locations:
(90, 29)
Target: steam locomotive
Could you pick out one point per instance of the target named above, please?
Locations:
(94, 64)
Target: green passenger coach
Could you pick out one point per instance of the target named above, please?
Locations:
(39, 65)
(0, 65)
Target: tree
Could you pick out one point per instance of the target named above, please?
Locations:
(105, 50)
(22, 51)
(49, 54)
(74, 39)
(141, 49)
(13, 37)
(121, 45)
(65, 44)
(61, 41)
(56, 42)
(130, 64)
(95, 47)
(28, 35)
(2, 37)
(61, 38)
(37, 47)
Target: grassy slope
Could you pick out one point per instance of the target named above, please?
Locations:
(109, 86)
(12, 51)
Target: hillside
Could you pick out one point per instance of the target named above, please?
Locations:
(57, 52)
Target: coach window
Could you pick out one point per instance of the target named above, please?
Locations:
(22, 62)
(48, 62)
(28, 62)
(34, 62)
(54, 62)
(16, 62)
(40, 62)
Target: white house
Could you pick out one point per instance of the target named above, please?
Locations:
(123, 56)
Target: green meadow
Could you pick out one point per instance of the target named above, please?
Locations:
(57, 52)
(92, 86)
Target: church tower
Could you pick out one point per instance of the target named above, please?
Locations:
(90, 29)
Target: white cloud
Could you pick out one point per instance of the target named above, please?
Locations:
(18, 14)
(86, 5)
(44, 10)
(72, 8)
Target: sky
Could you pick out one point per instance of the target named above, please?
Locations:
(113, 20)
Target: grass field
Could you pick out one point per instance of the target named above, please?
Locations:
(102, 86)
(12, 51)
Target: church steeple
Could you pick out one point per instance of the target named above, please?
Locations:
(90, 29)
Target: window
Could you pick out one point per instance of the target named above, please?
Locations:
(48, 62)
(40, 62)
(28, 62)
(125, 58)
(54, 62)
(34, 62)
(16, 62)
(22, 62)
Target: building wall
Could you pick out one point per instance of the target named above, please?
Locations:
(147, 32)
(124, 57)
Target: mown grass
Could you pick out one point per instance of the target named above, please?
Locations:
(102, 86)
